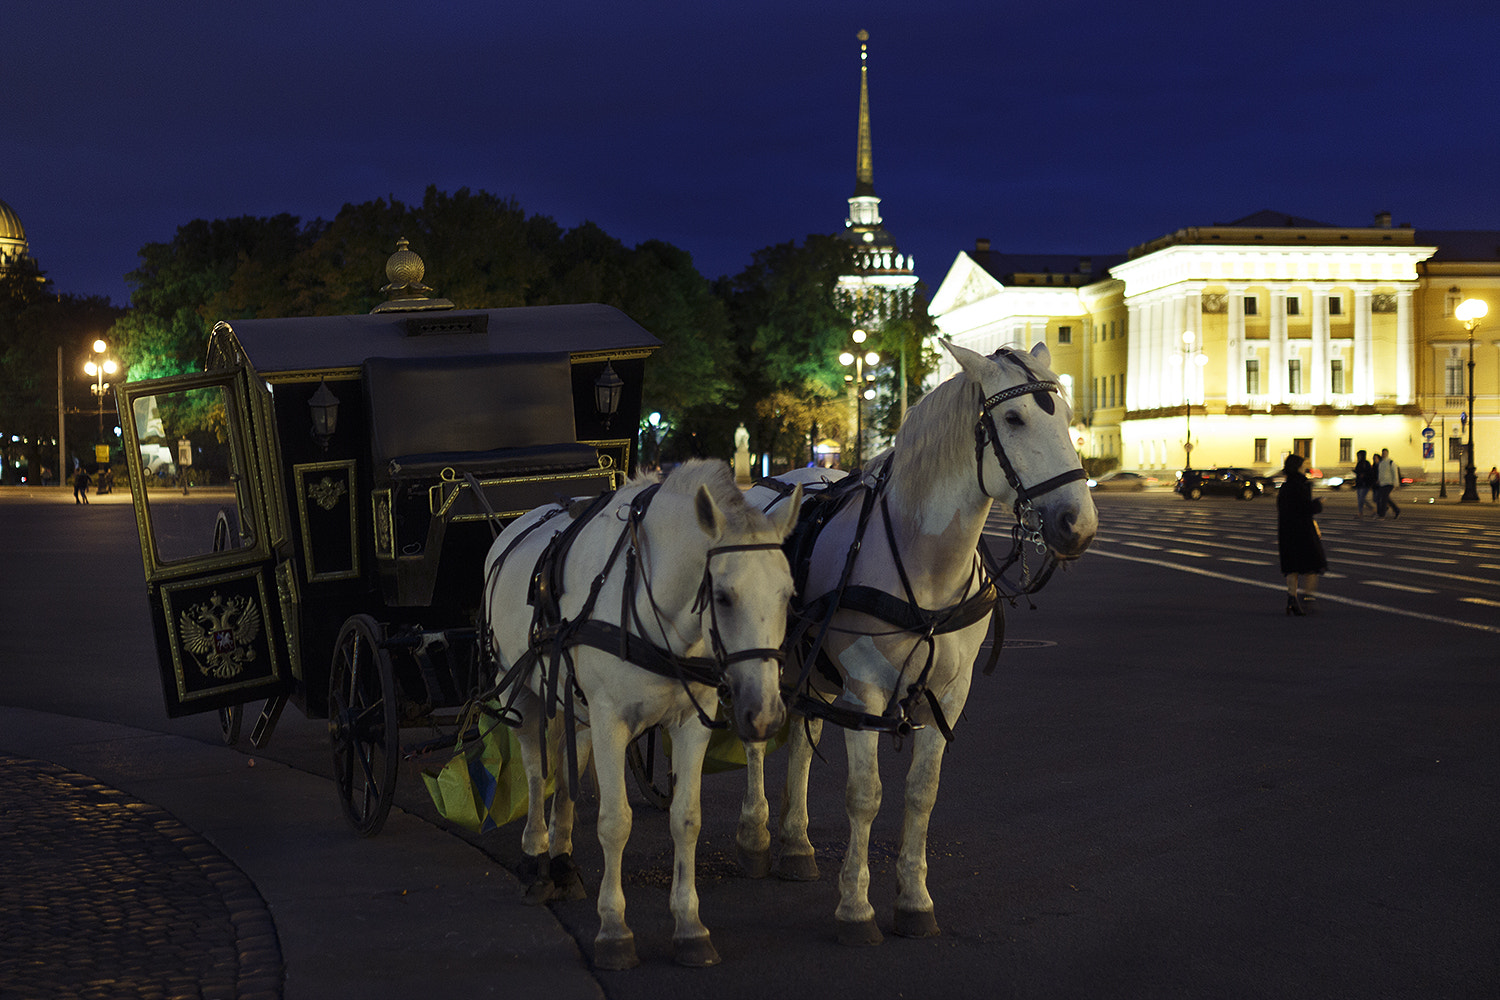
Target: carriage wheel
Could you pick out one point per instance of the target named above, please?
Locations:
(227, 536)
(363, 724)
(648, 760)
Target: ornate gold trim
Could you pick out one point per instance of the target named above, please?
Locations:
(172, 612)
(382, 523)
(624, 354)
(440, 504)
(328, 494)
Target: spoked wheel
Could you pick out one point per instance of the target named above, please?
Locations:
(650, 761)
(227, 536)
(363, 724)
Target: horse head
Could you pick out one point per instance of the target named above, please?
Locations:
(743, 599)
(1024, 450)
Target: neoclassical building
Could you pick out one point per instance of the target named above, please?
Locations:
(1264, 336)
(12, 237)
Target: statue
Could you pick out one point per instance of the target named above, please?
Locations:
(741, 456)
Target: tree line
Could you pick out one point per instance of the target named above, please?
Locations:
(759, 347)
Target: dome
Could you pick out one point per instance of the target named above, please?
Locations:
(10, 224)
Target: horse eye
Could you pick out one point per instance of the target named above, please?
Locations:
(722, 599)
(1014, 419)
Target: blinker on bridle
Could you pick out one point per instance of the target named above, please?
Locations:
(1028, 519)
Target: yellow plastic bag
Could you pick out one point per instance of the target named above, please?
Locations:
(484, 786)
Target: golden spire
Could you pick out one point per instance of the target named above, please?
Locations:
(864, 167)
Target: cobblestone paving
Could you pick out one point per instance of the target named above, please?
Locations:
(104, 896)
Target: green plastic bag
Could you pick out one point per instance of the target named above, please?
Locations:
(484, 786)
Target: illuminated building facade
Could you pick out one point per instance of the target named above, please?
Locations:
(12, 237)
(1281, 334)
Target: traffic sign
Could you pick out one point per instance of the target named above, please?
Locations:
(1429, 433)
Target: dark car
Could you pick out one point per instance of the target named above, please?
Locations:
(1122, 481)
(1247, 484)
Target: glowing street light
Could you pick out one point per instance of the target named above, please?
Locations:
(863, 384)
(1469, 313)
(96, 368)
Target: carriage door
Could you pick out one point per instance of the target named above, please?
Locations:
(201, 511)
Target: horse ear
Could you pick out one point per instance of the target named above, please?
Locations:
(972, 362)
(710, 518)
(1042, 355)
(784, 515)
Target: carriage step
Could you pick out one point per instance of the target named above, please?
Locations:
(266, 723)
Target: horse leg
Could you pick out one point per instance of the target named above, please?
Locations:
(534, 869)
(914, 914)
(614, 947)
(855, 915)
(691, 945)
(567, 883)
(752, 839)
(797, 863)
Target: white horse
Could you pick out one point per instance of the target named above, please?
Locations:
(914, 606)
(695, 580)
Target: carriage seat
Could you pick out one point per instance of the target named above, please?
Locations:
(489, 415)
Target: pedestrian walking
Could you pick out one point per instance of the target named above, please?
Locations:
(81, 481)
(1298, 540)
(1364, 481)
(1494, 484)
(1387, 478)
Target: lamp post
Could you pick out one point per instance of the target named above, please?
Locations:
(862, 390)
(98, 367)
(1469, 313)
(1189, 352)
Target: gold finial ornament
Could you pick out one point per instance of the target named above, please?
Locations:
(404, 270)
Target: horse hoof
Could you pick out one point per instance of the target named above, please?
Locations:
(797, 868)
(538, 892)
(695, 953)
(567, 883)
(755, 864)
(916, 923)
(530, 867)
(615, 954)
(859, 933)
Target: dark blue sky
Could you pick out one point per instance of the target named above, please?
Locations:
(1084, 127)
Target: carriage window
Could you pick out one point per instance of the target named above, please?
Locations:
(190, 471)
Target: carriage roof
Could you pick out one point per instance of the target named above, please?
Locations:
(318, 343)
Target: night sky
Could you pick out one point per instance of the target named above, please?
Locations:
(1085, 127)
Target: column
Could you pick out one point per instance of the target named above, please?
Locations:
(1276, 387)
(1405, 369)
(1320, 374)
(1135, 361)
(1364, 368)
(1192, 321)
(1234, 353)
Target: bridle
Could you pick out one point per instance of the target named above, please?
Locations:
(1028, 518)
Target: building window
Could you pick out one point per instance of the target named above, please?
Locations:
(1294, 378)
(1456, 450)
(1065, 335)
(1252, 377)
(1293, 305)
(1346, 450)
(1336, 377)
(1451, 299)
(1453, 376)
(1112, 384)
(1303, 447)
(1260, 450)
(1250, 307)
(1335, 305)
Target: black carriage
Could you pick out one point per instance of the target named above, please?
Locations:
(315, 507)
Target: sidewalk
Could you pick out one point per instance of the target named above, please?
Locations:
(142, 864)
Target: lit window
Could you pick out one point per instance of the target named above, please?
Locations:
(1453, 376)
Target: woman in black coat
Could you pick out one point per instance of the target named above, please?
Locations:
(1297, 537)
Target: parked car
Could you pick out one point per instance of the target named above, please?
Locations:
(1119, 480)
(1247, 484)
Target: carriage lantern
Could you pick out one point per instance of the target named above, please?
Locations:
(325, 414)
(607, 393)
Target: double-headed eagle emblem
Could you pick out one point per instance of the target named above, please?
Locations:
(219, 634)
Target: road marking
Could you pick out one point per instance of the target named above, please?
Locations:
(1140, 545)
(1281, 586)
(1489, 565)
(1187, 552)
(1247, 562)
(1480, 600)
(1429, 559)
(1397, 586)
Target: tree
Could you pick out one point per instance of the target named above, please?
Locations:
(34, 323)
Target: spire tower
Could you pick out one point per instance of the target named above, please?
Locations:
(864, 164)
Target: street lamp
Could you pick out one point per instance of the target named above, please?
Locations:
(98, 367)
(1469, 313)
(1189, 352)
(862, 383)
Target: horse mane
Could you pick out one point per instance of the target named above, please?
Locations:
(739, 516)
